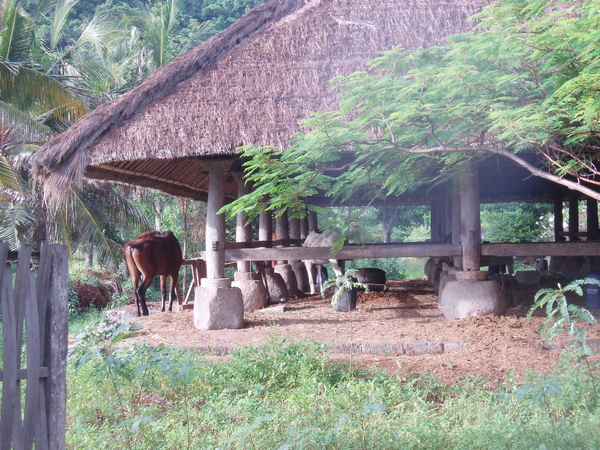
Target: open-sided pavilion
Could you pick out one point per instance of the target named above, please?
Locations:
(252, 84)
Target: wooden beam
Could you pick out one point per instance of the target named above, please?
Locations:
(542, 249)
(347, 252)
(418, 250)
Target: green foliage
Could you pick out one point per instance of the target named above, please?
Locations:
(291, 395)
(564, 317)
(515, 222)
(525, 80)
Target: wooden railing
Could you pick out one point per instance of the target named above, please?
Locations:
(34, 347)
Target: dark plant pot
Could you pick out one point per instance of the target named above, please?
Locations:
(347, 300)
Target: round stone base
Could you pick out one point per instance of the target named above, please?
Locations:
(254, 294)
(218, 307)
(461, 299)
(301, 277)
(278, 292)
(289, 277)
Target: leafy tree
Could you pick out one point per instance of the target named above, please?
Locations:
(524, 81)
(223, 13)
(514, 222)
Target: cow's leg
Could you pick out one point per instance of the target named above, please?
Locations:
(311, 279)
(135, 280)
(320, 277)
(142, 294)
(177, 289)
(337, 267)
(174, 290)
(163, 292)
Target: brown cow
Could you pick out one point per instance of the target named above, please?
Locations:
(150, 254)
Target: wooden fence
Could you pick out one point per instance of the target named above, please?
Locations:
(34, 347)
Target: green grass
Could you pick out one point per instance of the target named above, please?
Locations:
(285, 395)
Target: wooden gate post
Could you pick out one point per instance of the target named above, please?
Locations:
(56, 347)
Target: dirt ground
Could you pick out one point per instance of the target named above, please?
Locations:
(400, 330)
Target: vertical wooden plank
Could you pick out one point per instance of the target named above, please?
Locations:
(9, 351)
(42, 293)
(21, 291)
(32, 344)
(56, 348)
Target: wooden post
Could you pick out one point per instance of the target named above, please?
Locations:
(303, 228)
(312, 221)
(56, 348)
(295, 229)
(592, 219)
(559, 229)
(470, 219)
(438, 217)
(573, 218)
(215, 223)
(456, 238)
(243, 232)
(265, 226)
(281, 229)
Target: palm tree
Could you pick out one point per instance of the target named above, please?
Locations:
(35, 104)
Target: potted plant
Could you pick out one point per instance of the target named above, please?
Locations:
(344, 297)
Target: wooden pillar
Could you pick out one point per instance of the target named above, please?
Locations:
(592, 220)
(243, 232)
(470, 219)
(215, 223)
(438, 218)
(558, 221)
(265, 226)
(294, 229)
(456, 238)
(303, 228)
(573, 218)
(281, 230)
(312, 222)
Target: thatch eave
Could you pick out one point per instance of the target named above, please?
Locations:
(64, 151)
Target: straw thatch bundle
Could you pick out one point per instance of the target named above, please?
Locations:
(249, 85)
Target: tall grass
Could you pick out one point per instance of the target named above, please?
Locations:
(292, 395)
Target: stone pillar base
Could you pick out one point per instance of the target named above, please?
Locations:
(301, 277)
(217, 305)
(289, 278)
(254, 293)
(278, 291)
(446, 275)
(471, 297)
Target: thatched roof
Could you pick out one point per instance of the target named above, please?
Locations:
(251, 84)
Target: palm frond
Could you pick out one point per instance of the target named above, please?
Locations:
(38, 94)
(16, 35)
(25, 128)
(61, 11)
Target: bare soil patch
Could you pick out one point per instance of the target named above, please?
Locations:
(400, 330)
